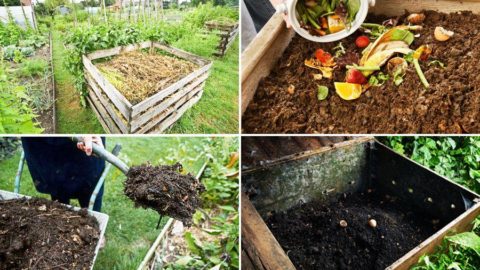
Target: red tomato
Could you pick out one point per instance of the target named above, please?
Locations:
(362, 41)
(322, 56)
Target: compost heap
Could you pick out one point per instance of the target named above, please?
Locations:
(42, 234)
(340, 235)
(340, 87)
(164, 189)
(139, 75)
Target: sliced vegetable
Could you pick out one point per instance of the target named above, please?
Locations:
(322, 92)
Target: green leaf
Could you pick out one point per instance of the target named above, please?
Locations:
(467, 239)
(353, 6)
(402, 35)
(216, 267)
(184, 260)
(191, 243)
(322, 92)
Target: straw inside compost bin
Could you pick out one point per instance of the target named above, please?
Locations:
(358, 231)
(42, 234)
(139, 74)
(164, 189)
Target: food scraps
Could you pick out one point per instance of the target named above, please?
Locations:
(324, 17)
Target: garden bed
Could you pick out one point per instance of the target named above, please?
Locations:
(319, 207)
(42, 234)
(227, 31)
(137, 92)
(449, 105)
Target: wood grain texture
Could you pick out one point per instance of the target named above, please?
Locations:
(259, 243)
(260, 56)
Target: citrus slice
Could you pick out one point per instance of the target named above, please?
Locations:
(348, 91)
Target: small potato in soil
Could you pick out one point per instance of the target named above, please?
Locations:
(164, 189)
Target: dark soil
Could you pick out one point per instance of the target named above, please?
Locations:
(164, 189)
(42, 234)
(312, 237)
(450, 105)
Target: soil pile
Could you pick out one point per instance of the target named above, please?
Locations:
(41, 234)
(315, 236)
(139, 75)
(164, 189)
(450, 105)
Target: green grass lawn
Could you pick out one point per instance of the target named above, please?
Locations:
(72, 118)
(130, 231)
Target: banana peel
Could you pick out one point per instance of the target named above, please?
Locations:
(398, 33)
(380, 58)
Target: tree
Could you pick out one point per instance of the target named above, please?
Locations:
(51, 5)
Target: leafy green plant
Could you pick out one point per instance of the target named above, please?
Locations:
(457, 158)
(32, 68)
(457, 252)
(219, 209)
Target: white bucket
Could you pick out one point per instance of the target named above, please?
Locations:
(288, 7)
(101, 218)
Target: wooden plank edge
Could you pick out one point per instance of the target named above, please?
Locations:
(99, 117)
(106, 104)
(147, 103)
(122, 104)
(158, 108)
(168, 111)
(308, 153)
(157, 241)
(182, 54)
(259, 242)
(169, 121)
(460, 224)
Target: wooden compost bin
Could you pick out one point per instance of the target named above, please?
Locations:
(325, 173)
(154, 114)
(262, 54)
(227, 33)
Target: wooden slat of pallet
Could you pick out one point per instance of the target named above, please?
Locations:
(260, 56)
(102, 115)
(398, 7)
(117, 50)
(146, 104)
(179, 111)
(106, 104)
(461, 224)
(122, 104)
(260, 244)
(247, 263)
(182, 54)
(139, 120)
(165, 113)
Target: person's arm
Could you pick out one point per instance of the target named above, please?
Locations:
(88, 141)
(285, 17)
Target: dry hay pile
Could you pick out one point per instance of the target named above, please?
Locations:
(138, 75)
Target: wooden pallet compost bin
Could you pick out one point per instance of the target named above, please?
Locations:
(154, 114)
(227, 33)
(260, 57)
(101, 218)
(325, 173)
